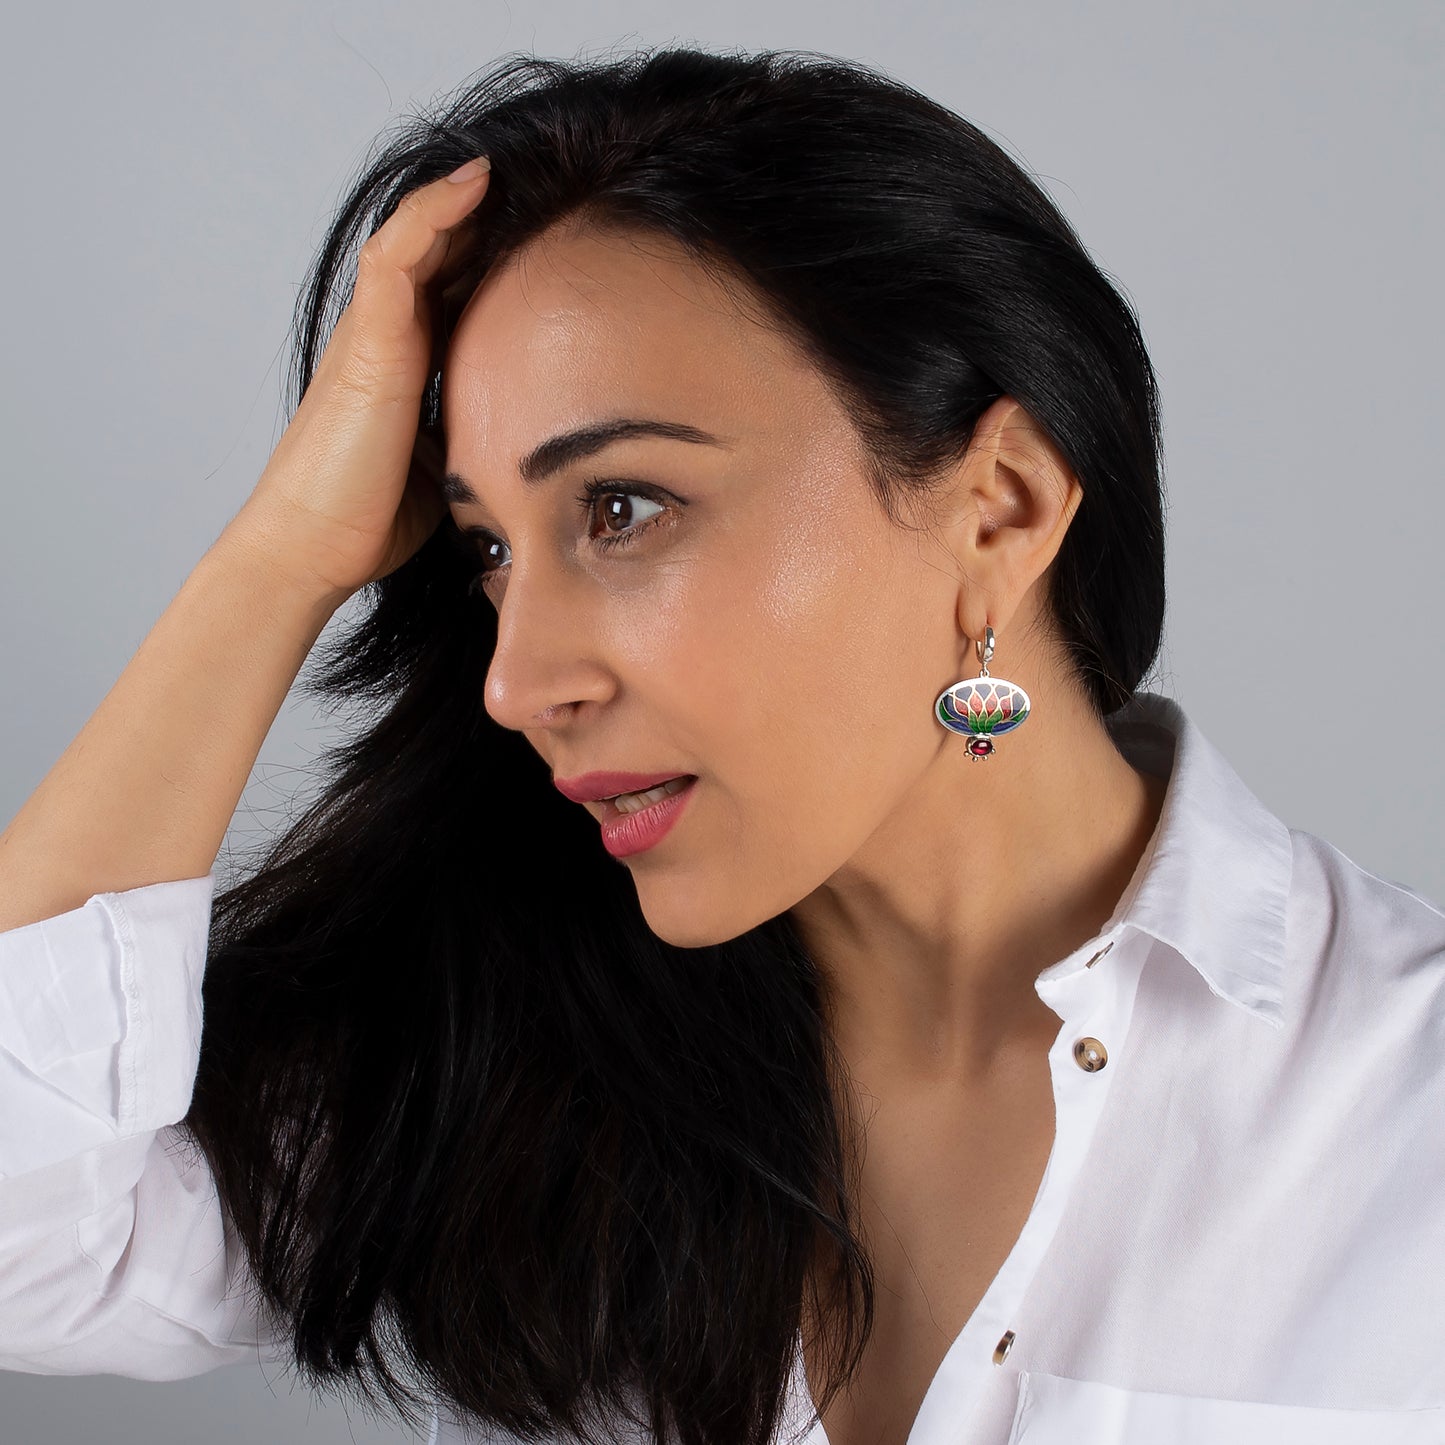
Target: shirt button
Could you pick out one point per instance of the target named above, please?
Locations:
(1000, 1352)
(1090, 1055)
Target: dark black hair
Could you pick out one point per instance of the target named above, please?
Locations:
(483, 1134)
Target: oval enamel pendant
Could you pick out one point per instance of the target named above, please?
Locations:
(981, 709)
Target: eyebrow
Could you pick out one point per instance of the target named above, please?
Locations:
(560, 451)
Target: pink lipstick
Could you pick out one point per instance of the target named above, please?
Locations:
(624, 834)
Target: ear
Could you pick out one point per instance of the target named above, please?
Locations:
(1014, 497)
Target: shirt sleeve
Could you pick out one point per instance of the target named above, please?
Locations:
(116, 1255)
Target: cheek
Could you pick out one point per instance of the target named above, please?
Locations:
(801, 654)
(851, 611)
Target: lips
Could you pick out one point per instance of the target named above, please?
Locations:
(626, 835)
(593, 787)
(607, 809)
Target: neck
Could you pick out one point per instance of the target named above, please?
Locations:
(932, 935)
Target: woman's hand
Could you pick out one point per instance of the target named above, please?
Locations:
(349, 494)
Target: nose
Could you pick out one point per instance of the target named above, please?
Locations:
(546, 659)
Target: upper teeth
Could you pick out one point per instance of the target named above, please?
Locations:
(634, 802)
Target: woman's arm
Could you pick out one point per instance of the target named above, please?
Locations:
(115, 1254)
(147, 789)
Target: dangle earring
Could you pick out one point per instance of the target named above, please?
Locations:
(982, 707)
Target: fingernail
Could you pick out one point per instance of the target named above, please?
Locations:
(471, 170)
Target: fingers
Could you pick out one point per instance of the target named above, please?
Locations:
(406, 236)
(425, 269)
(379, 324)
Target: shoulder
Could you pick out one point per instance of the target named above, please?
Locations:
(1286, 1180)
(1359, 1066)
(1360, 947)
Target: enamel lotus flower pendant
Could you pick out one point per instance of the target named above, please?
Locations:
(982, 708)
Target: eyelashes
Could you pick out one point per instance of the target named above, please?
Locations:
(474, 544)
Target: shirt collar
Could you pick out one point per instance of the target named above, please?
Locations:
(1214, 883)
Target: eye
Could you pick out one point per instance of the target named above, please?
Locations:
(619, 515)
(613, 512)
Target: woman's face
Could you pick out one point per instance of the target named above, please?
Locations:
(768, 629)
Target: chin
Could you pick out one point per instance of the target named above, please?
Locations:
(686, 921)
(686, 933)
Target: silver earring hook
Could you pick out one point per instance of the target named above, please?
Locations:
(985, 650)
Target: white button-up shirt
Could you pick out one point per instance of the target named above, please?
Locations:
(1239, 1237)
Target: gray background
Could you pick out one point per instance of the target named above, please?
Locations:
(1263, 180)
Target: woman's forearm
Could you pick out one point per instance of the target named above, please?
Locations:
(146, 790)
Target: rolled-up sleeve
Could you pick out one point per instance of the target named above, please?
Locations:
(116, 1256)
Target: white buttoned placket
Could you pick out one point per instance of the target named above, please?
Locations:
(971, 1397)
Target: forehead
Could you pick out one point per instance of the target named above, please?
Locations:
(580, 326)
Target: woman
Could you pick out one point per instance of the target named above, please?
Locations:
(757, 437)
